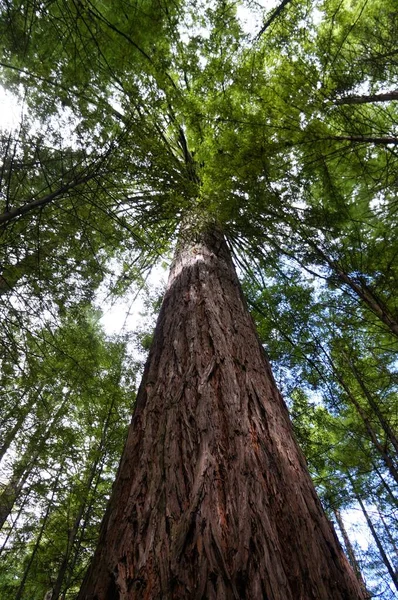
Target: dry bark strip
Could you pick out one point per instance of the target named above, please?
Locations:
(213, 498)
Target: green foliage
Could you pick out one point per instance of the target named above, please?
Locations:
(59, 464)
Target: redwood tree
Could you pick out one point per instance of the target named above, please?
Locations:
(152, 113)
(213, 498)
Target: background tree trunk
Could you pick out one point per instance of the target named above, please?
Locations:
(380, 547)
(350, 551)
(12, 433)
(213, 498)
(93, 471)
(38, 539)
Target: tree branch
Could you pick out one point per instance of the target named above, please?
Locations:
(10, 215)
(365, 139)
(368, 99)
(272, 18)
(56, 84)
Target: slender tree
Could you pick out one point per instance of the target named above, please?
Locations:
(350, 550)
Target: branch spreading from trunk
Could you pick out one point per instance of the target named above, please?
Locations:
(387, 97)
(272, 18)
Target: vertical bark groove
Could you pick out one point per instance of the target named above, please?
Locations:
(212, 498)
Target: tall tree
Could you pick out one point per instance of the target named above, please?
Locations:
(213, 498)
(181, 125)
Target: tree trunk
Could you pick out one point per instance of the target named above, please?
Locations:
(373, 404)
(72, 538)
(13, 488)
(213, 498)
(350, 551)
(392, 497)
(23, 469)
(39, 537)
(12, 433)
(74, 530)
(81, 538)
(377, 540)
(6, 534)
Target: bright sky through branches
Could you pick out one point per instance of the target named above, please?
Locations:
(10, 110)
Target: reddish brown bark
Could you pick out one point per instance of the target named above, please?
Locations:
(213, 499)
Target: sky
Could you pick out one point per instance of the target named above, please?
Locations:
(10, 110)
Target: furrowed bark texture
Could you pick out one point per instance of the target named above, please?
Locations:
(213, 498)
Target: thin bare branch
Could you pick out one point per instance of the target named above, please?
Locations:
(387, 97)
(272, 18)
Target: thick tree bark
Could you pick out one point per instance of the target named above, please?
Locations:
(213, 498)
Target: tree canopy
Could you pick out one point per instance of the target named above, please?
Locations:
(141, 116)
